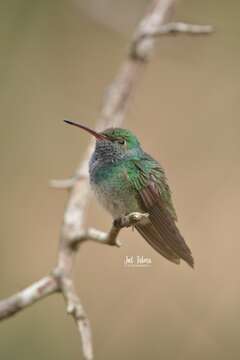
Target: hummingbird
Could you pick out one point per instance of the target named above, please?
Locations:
(126, 179)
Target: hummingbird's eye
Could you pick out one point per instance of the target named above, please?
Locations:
(121, 141)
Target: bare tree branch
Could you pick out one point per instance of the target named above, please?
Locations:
(58, 281)
(179, 27)
(64, 183)
(35, 292)
(72, 232)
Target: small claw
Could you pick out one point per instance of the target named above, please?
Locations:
(130, 219)
(136, 217)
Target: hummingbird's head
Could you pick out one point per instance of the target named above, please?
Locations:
(112, 144)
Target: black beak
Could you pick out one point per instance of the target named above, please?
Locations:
(97, 135)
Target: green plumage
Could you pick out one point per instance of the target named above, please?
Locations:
(126, 179)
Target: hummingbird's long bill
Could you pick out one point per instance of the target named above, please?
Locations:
(97, 135)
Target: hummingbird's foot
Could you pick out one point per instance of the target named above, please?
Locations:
(129, 220)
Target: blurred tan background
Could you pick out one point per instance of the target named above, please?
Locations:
(57, 57)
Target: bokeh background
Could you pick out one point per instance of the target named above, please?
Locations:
(57, 57)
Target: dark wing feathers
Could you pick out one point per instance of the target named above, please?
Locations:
(149, 233)
(155, 197)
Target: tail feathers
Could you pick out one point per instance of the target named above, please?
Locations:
(159, 241)
(167, 230)
(152, 237)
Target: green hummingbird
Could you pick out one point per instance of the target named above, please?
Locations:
(125, 179)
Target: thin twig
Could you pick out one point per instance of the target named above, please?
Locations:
(63, 184)
(28, 296)
(180, 27)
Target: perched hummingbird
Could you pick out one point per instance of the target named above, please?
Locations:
(125, 179)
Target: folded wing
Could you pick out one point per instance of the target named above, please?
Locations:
(161, 231)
